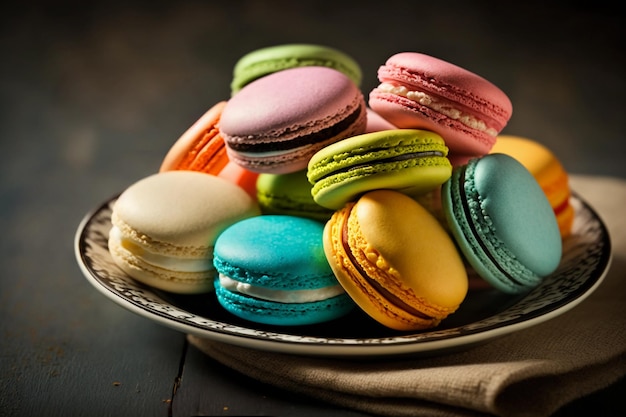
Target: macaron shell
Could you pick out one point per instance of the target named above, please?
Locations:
(547, 170)
(276, 123)
(422, 274)
(376, 123)
(520, 232)
(280, 102)
(283, 253)
(453, 94)
(240, 176)
(434, 73)
(289, 194)
(404, 113)
(180, 282)
(565, 216)
(201, 148)
(182, 208)
(458, 160)
(280, 314)
(265, 61)
(379, 160)
(164, 226)
(502, 222)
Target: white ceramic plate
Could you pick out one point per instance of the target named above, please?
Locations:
(483, 316)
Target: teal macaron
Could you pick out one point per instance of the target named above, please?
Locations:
(502, 222)
(268, 60)
(412, 161)
(272, 270)
(289, 194)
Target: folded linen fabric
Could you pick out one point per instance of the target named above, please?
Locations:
(532, 372)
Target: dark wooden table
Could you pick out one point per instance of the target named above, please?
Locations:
(92, 96)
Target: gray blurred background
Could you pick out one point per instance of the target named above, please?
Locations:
(94, 93)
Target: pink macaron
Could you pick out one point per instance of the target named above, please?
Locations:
(376, 123)
(420, 91)
(276, 123)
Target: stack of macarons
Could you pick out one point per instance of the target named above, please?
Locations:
(296, 199)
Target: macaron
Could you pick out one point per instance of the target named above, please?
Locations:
(240, 176)
(289, 194)
(411, 160)
(201, 148)
(502, 222)
(547, 170)
(273, 270)
(265, 61)
(421, 91)
(164, 227)
(276, 123)
(376, 123)
(396, 261)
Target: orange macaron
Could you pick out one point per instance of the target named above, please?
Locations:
(201, 148)
(547, 170)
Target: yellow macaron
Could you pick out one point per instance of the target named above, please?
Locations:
(395, 260)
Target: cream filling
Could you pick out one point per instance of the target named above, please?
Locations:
(432, 103)
(161, 261)
(280, 296)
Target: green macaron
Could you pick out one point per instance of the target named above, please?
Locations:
(289, 194)
(268, 60)
(502, 222)
(412, 161)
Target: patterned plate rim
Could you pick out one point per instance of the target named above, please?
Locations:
(587, 256)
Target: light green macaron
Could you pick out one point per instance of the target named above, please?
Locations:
(412, 161)
(289, 194)
(268, 60)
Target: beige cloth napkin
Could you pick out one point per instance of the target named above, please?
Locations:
(532, 372)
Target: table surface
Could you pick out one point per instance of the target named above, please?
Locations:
(92, 97)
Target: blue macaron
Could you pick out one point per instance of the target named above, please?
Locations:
(502, 222)
(272, 270)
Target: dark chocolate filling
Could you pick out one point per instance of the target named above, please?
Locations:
(561, 207)
(481, 243)
(377, 287)
(284, 145)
